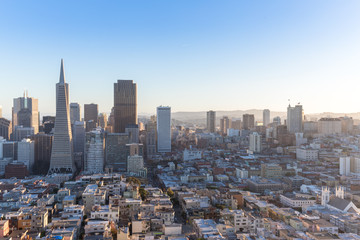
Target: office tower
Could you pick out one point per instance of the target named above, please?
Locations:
(49, 124)
(102, 120)
(26, 153)
(266, 117)
(248, 121)
(163, 129)
(25, 112)
(91, 116)
(5, 128)
(62, 147)
(75, 112)
(94, 151)
(210, 121)
(9, 150)
(150, 129)
(277, 121)
(79, 137)
(91, 112)
(236, 124)
(116, 151)
(345, 163)
(20, 132)
(224, 125)
(255, 142)
(295, 117)
(90, 125)
(125, 105)
(42, 146)
(133, 131)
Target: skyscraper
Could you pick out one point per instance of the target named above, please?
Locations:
(248, 121)
(150, 129)
(43, 143)
(266, 117)
(210, 121)
(5, 128)
(116, 151)
(102, 120)
(225, 124)
(94, 151)
(91, 112)
(62, 149)
(75, 112)
(163, 129)
(25, 112)
(295, 117)
(125, 105)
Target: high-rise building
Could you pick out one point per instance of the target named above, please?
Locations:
(266, 117)
(91, 116)
(102, 120)
(20, 132)
(225, 124)
(0, 111)
(125, 105)
(91, 112)
(48, 124)
(43, 145)
(248, 121)
(150, 129)
(277, 121)
(79, 137)
(211, 121)
(26, 153)
(116, 151)
(345, 163)
(255, 142)
(75, 112)
(62, 149)
(5, 128)
(236, 124)
(295, 116)
(163, 129)
(133, 131)
(94, 151)
(25, 112)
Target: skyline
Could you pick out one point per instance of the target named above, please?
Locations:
(207, 56)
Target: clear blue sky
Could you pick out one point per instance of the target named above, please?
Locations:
(190, 55)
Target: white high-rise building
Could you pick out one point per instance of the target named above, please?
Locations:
(255, 142)
(345, 164)
(62, 160)
(266, 117)
(75, 112)
(295, 117)
(94, 151)
(26, 153)
(163, 129)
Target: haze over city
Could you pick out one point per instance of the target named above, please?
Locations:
(179, 120)
(193, 56)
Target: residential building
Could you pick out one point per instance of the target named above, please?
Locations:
(163, 129)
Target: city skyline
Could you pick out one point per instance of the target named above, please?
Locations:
(279, 53)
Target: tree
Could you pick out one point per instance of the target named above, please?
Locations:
(170, 193)
(143, 193)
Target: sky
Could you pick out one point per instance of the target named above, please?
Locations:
(190, 55)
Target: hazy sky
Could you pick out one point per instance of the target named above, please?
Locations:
(190, 55)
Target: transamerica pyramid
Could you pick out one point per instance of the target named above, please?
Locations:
(62, 148)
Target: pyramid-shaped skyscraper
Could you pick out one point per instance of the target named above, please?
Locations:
(62, 148)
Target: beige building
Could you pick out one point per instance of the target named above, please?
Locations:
(327, 126)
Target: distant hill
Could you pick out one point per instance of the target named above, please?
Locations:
(199, 118)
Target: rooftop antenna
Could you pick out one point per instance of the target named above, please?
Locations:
(289, 102)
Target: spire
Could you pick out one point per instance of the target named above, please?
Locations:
(62, 73)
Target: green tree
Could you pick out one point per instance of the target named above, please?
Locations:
(170, 193)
